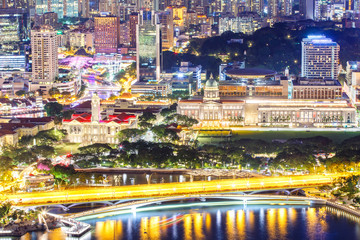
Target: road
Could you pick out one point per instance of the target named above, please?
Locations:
(167, 189)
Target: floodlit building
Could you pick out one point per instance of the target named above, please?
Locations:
(212, 110)
(319, 57)
(91, 128)
(300, 113)
(216, 111)
(252, 82)
(304, 88)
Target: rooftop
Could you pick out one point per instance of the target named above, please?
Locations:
(249, 72)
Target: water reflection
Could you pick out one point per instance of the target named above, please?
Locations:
(232, 222)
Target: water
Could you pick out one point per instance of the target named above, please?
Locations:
(225, 223)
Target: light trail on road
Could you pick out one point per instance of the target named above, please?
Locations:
(167, 189)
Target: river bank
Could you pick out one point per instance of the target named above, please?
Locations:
(19, 229)
(195, 172)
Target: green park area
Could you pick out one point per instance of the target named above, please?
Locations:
(66, 148)
(336, 136)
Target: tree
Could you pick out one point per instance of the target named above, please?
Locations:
(147, 117)
(62, 173)
(54, 92)
(5, 208)
(182, 120)
(130, 134)
(95, 149)
(348, 185)
(53, 109)
(45, 151)
(164, 134)
(20, 93)
(68, 114)
(145, 125)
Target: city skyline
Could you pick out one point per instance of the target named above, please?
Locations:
(172, 119)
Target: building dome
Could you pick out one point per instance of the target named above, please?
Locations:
(211, 90)
(211, 83)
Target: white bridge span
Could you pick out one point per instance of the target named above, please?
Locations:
(244, 199)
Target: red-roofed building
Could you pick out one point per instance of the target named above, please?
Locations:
(90, 128)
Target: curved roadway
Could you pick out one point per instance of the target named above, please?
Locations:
(167, 189)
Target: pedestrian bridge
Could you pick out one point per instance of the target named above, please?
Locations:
(236, 199)
(101, 194)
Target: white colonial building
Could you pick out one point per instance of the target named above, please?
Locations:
(211, 110)
(221, 112)
(90, 128)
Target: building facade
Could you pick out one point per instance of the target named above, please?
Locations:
(44, 47)
(215, 111)
(212, 110)
(304, 88)
(300, 113)
(106, 34)
(89, 128)
(319, 57)
(148, 47)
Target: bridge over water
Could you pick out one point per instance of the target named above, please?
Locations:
(80, 195)
(238, 199)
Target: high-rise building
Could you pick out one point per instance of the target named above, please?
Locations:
(133, 21)
(14, 26)
(106, 34)
(71, 8)
(56, 6)
(124, 34)
(286, 7)
(148, 47)
(44, 46)
(63, 8)
(319, 57)
(247, 23)
(167, 28)
(309, 9)
(85, 8)
(110, 6)
(273, 8)
(256, 6)
(49, 18)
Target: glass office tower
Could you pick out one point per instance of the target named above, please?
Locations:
(148, 47)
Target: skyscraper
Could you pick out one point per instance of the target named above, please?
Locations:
(256, 6)
(309, 9)
(56, 6)
(133, 21)
(85, 8)
(106, 34)
(71, 8)
(286, 7)
(44, 46)
(273, 8)
(167, 28)
(319, 57)
(148, 47)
